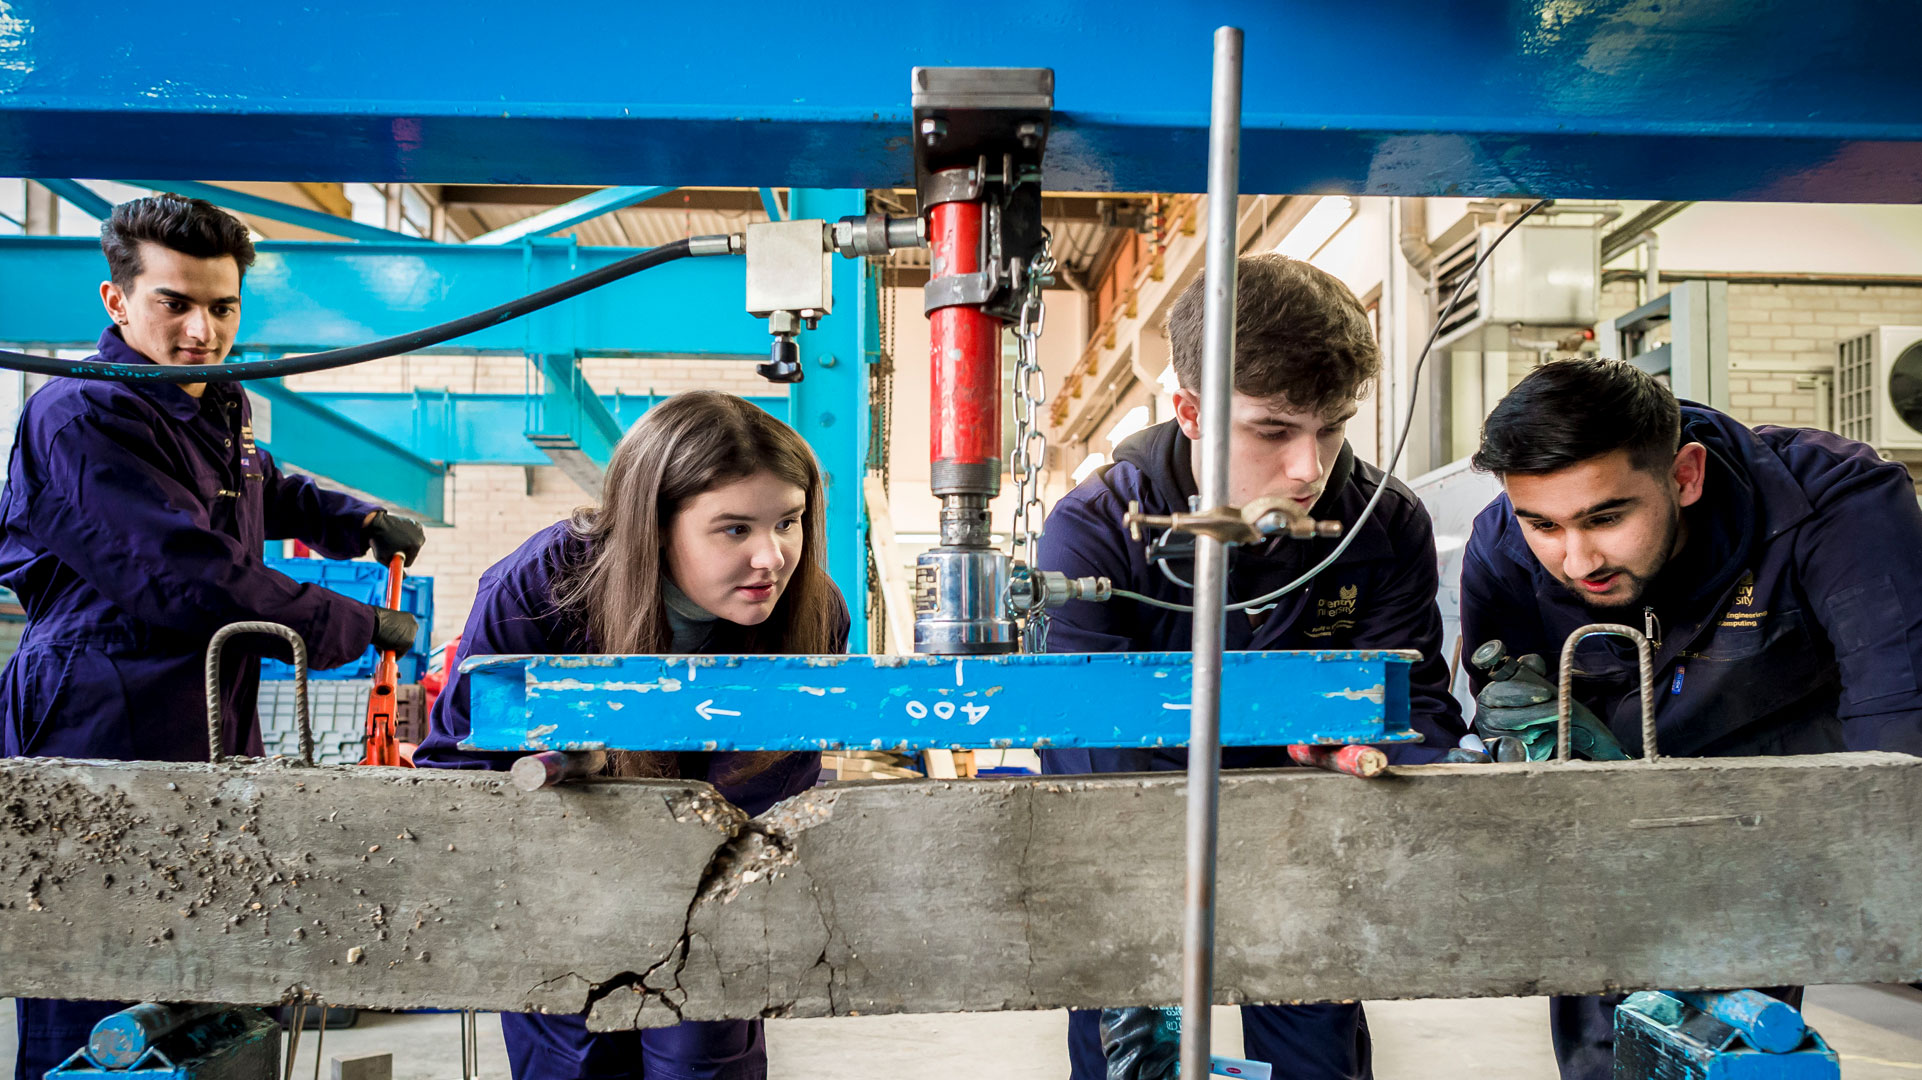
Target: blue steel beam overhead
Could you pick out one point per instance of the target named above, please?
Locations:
(306, 296)
(87, 199)
(274, 210)
(569, 214)
(476, 429)
(318, 439)
(1713, 99)
(829, 407)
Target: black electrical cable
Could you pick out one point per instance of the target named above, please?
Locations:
(1408, 421)
(352, 354)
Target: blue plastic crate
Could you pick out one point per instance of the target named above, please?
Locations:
(367, 582)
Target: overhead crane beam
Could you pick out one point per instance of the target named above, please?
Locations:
(1724, 99)
(646, 902)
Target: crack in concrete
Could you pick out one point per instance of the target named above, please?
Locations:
(756, 851)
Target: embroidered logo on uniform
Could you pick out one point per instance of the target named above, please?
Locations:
(1342, 603)
(246, 439)
(1741, 614)
(1335, 613)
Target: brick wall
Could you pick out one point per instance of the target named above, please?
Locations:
(1781, 334)
(494, 508)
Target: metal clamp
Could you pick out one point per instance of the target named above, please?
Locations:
(1249, 524)
(1645, 659)
(214, 647)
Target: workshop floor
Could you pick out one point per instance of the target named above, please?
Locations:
(1877, 1030)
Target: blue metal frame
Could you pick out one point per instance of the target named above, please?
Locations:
(303, 296)
(771, 203)
(274, 210)
(569, 214)
(476, 429)
(830, 406)
(1714, 99)
(80, 195)
(305, 433)
(926, 702)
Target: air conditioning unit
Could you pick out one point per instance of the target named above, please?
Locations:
(1543, 276)
(1878, 388)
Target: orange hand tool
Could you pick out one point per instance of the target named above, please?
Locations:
(383, 739)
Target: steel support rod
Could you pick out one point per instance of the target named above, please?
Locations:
(1211, 557)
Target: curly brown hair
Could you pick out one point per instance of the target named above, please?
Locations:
(1300, 335)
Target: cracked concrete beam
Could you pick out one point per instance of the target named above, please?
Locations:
(651, 901)
(379, 888)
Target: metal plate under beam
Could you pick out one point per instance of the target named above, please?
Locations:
(927, 702)
(654, 901)
(1716, 99)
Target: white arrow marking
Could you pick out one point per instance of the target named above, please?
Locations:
(708, 712)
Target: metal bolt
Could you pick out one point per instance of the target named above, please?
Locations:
(933, 129)
(1029, 134)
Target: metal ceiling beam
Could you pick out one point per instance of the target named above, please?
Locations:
(1628, 233)
(308, 434)
(732, 200)
(569, 214)
(80, 195)
(275, 210)
(302, 296)
(477, 429)
(1722, 99)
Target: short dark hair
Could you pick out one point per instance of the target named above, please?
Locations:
(1300, 334)
(193, 227)
(1569, 411)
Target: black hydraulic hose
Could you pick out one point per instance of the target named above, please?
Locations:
(352, 354)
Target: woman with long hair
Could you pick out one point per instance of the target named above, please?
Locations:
(708, 539)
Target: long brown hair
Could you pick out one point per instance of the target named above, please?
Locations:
(690, 444)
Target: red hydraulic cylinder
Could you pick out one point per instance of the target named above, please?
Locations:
(966, 354)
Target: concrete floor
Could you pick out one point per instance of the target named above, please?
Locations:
(1877, 1031)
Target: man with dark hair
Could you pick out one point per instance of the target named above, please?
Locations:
(133, 527)
(1304, 354)
(1742, 553)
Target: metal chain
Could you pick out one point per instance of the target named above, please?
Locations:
(1030, 442)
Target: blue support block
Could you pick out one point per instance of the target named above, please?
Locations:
(1713, 99)
(1661, 1036)
(304, 296)
(300, 432)
(567, 215)
(830, 406)
(927, 702)
(274, 210)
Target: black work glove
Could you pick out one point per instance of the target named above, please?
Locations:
(394, 629)
(393, 536)
(1141, 1043)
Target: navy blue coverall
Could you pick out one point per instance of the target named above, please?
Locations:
(514, 612)
(1379, 595)
(132, 528)
(1789, 623)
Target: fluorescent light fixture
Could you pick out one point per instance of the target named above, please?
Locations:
(1135, 420)
(1088, 465)
(1317, 227)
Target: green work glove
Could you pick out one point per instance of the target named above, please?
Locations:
(1519, 703)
